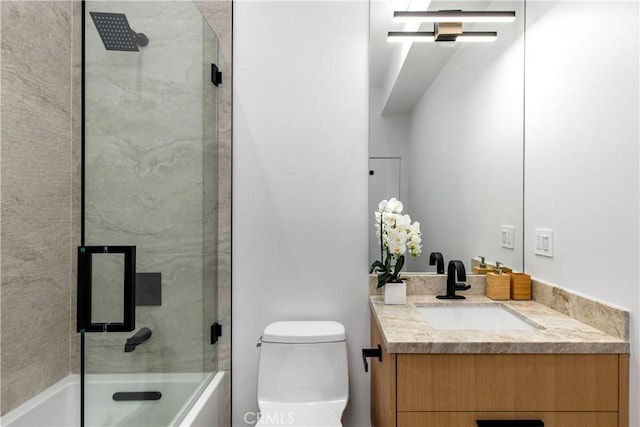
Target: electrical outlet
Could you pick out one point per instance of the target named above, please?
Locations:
(507, 235)
(543, 241)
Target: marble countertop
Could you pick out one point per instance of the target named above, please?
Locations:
(405, 331)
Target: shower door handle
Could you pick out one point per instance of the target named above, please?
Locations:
(106, 289)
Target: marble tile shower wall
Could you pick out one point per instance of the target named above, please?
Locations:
(35, 201)
(144, 180)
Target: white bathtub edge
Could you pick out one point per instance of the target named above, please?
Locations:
(39, 398)
(206, 411)
(209, 406)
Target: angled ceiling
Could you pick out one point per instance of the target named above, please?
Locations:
(403, 71)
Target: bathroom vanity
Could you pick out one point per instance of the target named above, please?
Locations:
(560, 371)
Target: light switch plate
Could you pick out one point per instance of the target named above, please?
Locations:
(543, 242)
(507, 235)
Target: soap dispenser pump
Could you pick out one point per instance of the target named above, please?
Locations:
(498, 269)
(498, 284)
(482, 267)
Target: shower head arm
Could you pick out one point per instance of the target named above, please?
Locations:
(140, 38)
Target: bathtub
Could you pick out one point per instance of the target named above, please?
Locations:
(187, 400)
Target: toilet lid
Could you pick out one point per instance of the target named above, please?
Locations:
(301, 332)
(298, 415)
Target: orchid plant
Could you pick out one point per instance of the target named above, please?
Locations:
(397, 236)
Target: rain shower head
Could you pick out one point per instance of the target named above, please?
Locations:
(115, 32)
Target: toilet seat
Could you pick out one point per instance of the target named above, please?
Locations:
(298, 415)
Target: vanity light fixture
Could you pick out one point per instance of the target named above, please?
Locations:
(428, 36)
(447, 25)
(477, 36)
(411, 36)
(454, 16)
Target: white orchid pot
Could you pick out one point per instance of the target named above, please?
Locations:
(395, 293)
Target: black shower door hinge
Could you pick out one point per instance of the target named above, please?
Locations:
(216, 75)
(216, 332)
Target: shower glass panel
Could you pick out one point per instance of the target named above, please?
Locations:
(150, 181)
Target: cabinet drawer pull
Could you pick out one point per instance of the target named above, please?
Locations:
(510, 423)
(371, 352)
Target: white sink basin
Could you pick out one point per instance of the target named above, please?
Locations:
(475, 317)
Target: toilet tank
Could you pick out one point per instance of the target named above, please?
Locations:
(304, 361)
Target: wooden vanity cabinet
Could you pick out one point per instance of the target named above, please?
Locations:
(562, 390)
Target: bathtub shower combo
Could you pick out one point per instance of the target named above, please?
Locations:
(147, 263)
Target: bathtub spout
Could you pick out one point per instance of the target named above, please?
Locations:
(141, 336)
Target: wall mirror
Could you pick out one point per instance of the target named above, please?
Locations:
(446, 133)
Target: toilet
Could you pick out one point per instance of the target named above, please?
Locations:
(303, 378)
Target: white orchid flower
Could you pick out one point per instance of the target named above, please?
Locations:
(403, 222)
(396, 248)
(396, 235)
(415, 228)
(395, 205)
(389, 219)
(414, 249)
(415, 243)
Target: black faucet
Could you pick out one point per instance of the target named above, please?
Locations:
(138, 338)
(453, 268)
(437, 259)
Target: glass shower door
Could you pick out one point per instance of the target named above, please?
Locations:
(150, 185)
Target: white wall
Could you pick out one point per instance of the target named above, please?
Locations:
(582, 172)
(299, 180)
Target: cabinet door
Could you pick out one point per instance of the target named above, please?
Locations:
(383, 383)
(468, 419)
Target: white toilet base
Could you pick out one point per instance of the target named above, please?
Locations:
(298, 415)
